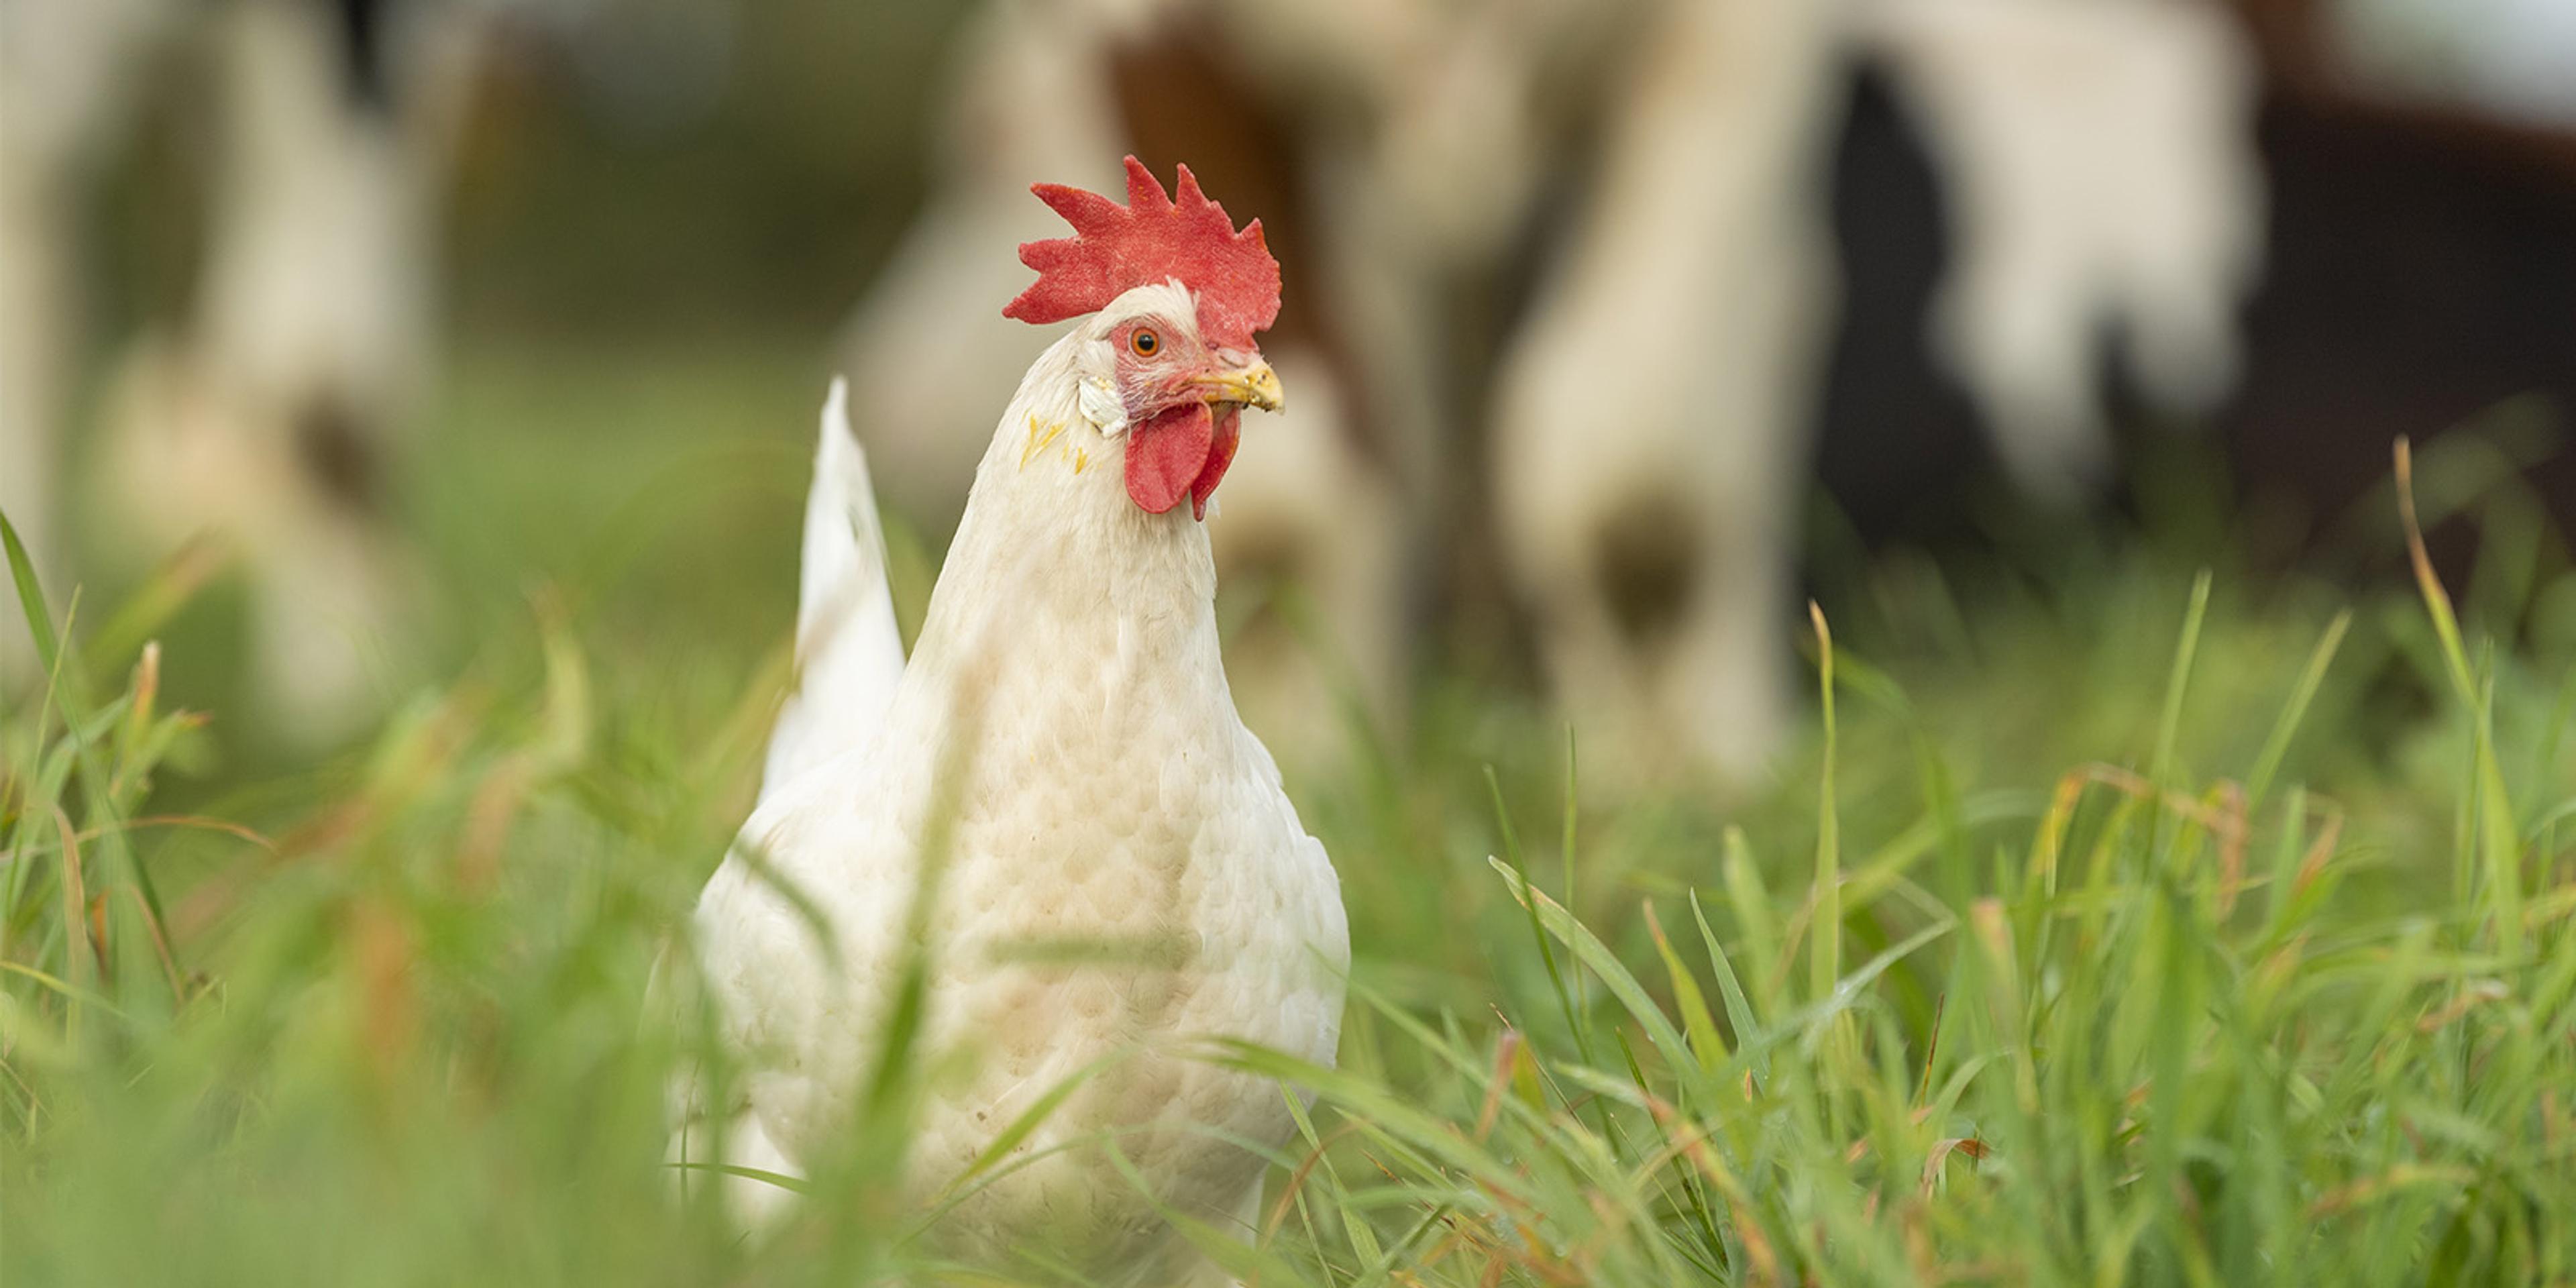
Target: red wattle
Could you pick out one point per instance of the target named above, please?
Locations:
(1168, 452)
(1229, 433)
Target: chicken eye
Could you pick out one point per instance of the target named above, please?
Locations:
(1144, 342)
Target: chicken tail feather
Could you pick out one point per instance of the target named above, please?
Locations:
(849, 654)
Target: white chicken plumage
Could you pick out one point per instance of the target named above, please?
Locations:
(849, 653)
(1122, 875)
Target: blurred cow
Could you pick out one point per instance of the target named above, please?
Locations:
(1654, 426)
(272, 415)
(64, 68)
(1649, 428)
(2100, 158)
(267, 418)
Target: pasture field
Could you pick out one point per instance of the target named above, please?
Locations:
(2128, 911)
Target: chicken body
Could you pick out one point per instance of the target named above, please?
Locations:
(1122, 873)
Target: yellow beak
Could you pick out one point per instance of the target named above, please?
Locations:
(1253, 386)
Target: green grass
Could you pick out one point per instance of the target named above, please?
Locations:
(2176, 926)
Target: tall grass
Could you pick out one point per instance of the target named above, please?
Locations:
(2067, 951)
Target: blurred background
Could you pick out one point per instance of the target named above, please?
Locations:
(1613, 330)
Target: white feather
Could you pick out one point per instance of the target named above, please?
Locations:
(1101, 407)
(849, 654)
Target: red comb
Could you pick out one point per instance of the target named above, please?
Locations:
(1116, 248)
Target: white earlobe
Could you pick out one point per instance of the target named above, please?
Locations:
(1101, 407)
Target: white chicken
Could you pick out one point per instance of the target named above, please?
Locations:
(1119, 871)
